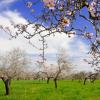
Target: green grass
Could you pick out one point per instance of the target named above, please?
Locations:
(39, 90)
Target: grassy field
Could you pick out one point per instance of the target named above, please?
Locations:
(39, 90)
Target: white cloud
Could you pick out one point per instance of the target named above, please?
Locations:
(75, 47)
(7, 1)
(7, 16)
(4, 4)
(5, 20)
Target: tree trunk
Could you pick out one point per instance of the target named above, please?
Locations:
(55, 82)
(92, 81)
(72, 80)
(48, 79)
(7, 87)
(7, 83)
(85, 80)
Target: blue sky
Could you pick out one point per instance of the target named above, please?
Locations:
(15, 10)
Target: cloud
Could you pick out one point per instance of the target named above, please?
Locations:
(54, 43)
(75, 48)
(7, 16)
(4, 4)
(5, 20)
(7, 1)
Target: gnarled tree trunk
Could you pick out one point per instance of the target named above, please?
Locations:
(55, 81)
(48, 79)
(85, 80)
(56, 77)
(7, 82)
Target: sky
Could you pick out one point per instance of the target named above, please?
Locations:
(15, 10)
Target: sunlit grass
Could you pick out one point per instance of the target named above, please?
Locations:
(39, 90)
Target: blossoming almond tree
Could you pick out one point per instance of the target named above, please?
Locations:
(55, 71)
(11, 65)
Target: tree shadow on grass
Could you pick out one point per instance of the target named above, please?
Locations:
(2, 94)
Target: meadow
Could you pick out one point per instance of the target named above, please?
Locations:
(39, 90)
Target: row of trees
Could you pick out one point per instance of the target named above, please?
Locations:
(84, 76)
(13, 65)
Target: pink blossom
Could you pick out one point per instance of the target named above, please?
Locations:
(69, 12)
(49, 4)
(98, 40)
(93, 3)
(92, 8)
(89, 35)
(29, 4)
(65, 21)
